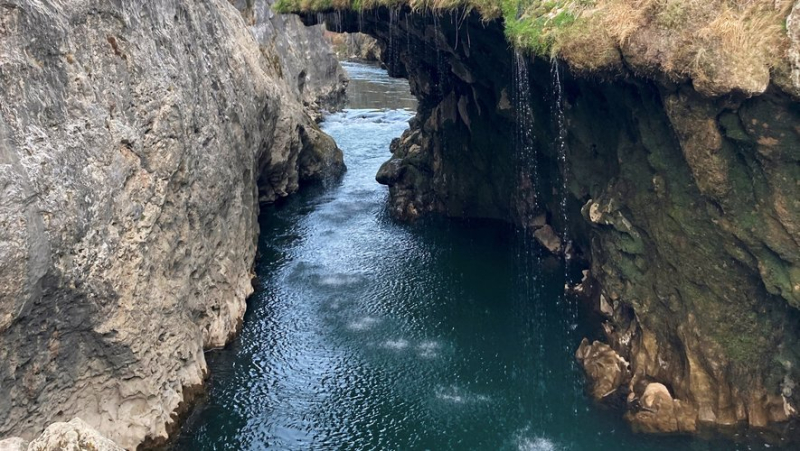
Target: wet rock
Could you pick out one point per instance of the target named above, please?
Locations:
(604, 368)
(605, 307)
(547, 237)
(655, 411)
(389, 172)
(539, 221)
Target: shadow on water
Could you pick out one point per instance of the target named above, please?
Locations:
(364, 333)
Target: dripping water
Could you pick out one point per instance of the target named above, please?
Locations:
(440, 69)
(390, 60)
(339, 26)
(408, 33)
(561, 150)
(529, 261)
(393, 57)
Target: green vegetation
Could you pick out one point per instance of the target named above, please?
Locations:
(723, 45)
(533, 25)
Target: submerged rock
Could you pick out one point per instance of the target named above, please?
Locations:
(547, 237)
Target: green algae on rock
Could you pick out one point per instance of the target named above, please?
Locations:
(684, 200)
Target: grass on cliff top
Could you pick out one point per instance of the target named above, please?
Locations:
(684, 38)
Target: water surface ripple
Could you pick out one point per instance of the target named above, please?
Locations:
(368, 334)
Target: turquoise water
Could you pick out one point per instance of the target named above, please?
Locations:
(369, 334)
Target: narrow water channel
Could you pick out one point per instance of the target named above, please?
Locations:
(368, 334)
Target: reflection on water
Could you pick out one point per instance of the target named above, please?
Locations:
(371, 87)
(367, 334)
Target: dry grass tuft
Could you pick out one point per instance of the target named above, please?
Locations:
(722, 44)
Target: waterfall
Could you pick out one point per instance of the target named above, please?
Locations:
(528, 256)
(561, 149)
(339, 27)
(389, 59)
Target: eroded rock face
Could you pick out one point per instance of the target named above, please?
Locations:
(13, 444)
(300, 54)
(73, 436)
(136, 139)
(606, 370)
(687, 204)
(655, 411)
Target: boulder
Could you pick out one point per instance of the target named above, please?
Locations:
(657, 412)
(547, 237)
(604, 368)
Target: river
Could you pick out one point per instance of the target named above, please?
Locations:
(365, 333)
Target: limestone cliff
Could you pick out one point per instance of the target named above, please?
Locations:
(681, 192)
(302, 55)
(136, 139)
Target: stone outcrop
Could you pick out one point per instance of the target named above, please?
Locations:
(685, 203)
(301, 54)
(657, 412)
(136, 139)
(606, 370)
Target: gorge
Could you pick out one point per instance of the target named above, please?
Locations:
(139, 142)
(682, 192)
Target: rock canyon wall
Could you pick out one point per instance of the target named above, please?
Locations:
(136, 140)
(683, 199)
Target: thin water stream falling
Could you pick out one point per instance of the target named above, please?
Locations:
(392, 51)
(527, 168)
(368, 334)
(571, 322)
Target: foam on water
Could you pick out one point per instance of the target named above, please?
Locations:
(396, 345)
(364, 323)
(457, 395)
(537, 444)
(428, 349)
(337, 280)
